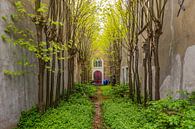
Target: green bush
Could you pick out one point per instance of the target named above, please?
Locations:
(85, 89)
(120, 90)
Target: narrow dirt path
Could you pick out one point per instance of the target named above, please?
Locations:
(97, 121)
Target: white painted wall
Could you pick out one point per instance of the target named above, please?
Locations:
(101, 69)
(124, 75)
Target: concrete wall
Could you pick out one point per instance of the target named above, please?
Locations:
(17, 93)
(176, 51)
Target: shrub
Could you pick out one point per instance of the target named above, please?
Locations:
(85, 89)
(120, 90)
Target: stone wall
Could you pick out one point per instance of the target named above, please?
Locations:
(17, 93)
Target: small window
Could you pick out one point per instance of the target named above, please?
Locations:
(127, 75)
(100, 63)
(97, 63)
(123, 75)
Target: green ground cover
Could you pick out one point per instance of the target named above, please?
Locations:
(76, 113)
(106, 90)
(120, 113)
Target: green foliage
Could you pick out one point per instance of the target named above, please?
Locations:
(13, 73)
(76, 113)
(24, 62)
(85, 89)
(4, 38)
(192, 97)
(20, 7)
(14, 17)
(164, 114)
(4, 18)
(115, 91)
(106, 90)
(43, 8)
(120, 90)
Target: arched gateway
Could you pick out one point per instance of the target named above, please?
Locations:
(98, 77)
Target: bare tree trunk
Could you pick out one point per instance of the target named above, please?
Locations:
(48, 73)
(58, 84)
(41, 85)
(137, 81)
(63, 75)
(150, 78)
(145, 78)
(52, 79)
(130, 78)
(157, 67)
(133, 74)
(39, 28)
(70, 74)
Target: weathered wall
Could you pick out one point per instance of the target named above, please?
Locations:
(176, 50)
(17, 93)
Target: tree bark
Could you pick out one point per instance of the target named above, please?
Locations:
(39, 28)
(131, 94)
(145, 80)
(157, 67)
(58, 84)
(137, 81)
(70, 74)
(150, 78)
(52, 79)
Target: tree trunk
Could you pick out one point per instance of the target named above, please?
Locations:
(157, 67)
(41, 85)
(63, 74)
(137, 81)
(52, 79)
(145, 80)
(150, 85)
(70, 74)
(58, 84)
(130, 78)
(48, 73)
(41, 63)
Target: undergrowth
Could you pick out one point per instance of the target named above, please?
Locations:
(106, 90)
(76, 113)
(120, 113)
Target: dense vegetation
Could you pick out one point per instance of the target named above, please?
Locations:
(75, 113)
(120, 113)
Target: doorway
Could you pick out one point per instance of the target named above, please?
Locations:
(98, 77)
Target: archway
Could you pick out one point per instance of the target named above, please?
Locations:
(98, 77)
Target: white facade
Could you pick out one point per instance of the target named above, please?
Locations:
(98, 65)
(124, 78)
